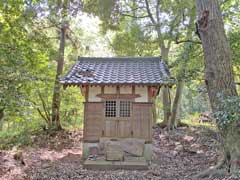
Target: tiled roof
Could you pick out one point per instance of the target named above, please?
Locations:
(124, 70)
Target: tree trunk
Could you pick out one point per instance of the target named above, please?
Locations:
(176, 105)
(57, 86)
(175, 119)
(1, 118)
(219, 77)
(190, 102)
(217, 54)
(164, 50)
(166, 93)
(166, 106)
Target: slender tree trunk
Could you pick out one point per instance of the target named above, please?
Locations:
(57, 86)
(165, 94)
(1, 117)
(176, 104)
(164, 50)
(190, 102)
(180, 85)
(166, 106)
(218, 71)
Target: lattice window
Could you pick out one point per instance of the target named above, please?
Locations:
(125, 108)
(110, 109)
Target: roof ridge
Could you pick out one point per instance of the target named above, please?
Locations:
(122, 58)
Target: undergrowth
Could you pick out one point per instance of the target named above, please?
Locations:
(17, 137)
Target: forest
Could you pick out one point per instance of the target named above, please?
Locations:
(197, 130)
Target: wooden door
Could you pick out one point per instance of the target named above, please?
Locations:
(124, 128)
(118, 118)
(118, 127)
(110, 128)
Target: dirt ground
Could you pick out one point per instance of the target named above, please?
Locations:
(178, 155)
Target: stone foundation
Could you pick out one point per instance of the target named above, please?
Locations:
(147, 150)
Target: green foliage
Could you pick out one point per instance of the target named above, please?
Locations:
(234, 38)
(132, 41)
(230, 10)
(194, 99)
(19, 133)
(72, 108)
(229, 111)
(187, 64)
(20, 56)
(107, 10)
(28, 50)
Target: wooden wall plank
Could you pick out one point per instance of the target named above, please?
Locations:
(93, 120)
(142, 121)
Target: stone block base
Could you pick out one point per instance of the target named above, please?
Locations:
(147, 150)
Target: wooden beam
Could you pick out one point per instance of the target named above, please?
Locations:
(149, 94)
(118, 96)
(133, 89)
(102, 89)
(87, 93)
(118, 90)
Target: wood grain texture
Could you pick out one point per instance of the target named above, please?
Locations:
(93, 121)
(142, 121)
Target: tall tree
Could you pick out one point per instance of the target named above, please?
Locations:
(180, 13)
(219, 76)
(164, 39)
(62, 8)
(61, 12)
(57, 86)
(217, 54)
(181, 76)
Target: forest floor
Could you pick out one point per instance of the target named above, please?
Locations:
(178, 155)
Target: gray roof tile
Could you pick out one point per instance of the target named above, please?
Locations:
(124, 70)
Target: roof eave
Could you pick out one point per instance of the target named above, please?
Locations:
(120, 84)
